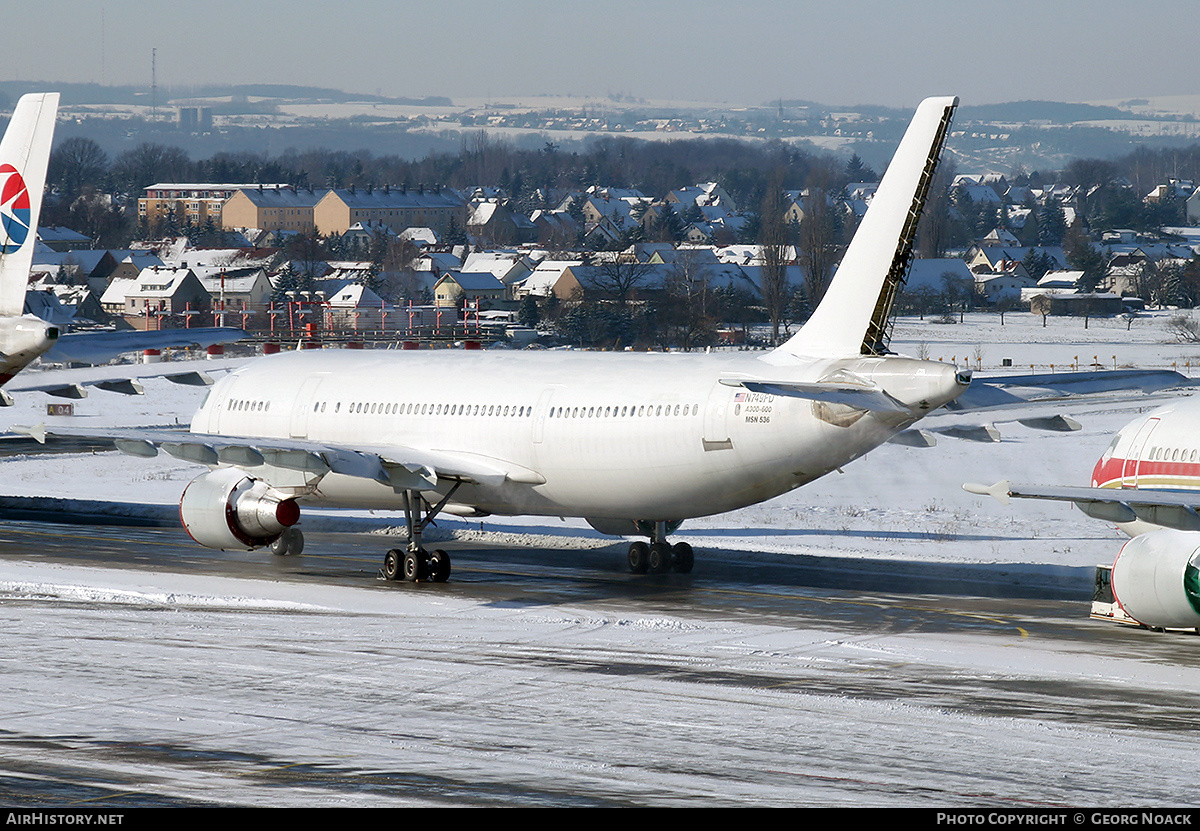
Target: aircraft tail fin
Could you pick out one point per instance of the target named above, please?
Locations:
(852, 318)
(24, 157)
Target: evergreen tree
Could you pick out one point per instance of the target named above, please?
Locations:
(528, 313)
(1051, 223)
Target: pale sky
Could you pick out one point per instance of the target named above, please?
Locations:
(734, 52)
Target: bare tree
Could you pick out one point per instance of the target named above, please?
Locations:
(773, 237)
(819, 248)
(934, 231)
(617, 280)
(76, 164)
(686, 303)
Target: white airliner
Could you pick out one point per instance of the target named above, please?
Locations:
(1147, 482)
(634, 443)
(24, 156)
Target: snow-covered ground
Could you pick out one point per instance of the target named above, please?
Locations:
(177, 687)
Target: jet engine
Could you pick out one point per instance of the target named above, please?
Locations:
(1156, 579)
(228, 509)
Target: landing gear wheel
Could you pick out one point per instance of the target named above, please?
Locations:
(290, 542)
(414, 565)
(393, 565)
(684, 559)
(660, 558)
(439, 566)
(639, 557)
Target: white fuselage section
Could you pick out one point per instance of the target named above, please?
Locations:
(1157, 451)
(22, 339)
(606, 436)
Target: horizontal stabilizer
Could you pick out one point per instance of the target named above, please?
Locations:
(863, 397)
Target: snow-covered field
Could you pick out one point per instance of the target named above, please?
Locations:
(175, 687)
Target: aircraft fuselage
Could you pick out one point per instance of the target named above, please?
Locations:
(608, 436)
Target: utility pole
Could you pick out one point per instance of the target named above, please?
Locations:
(154, 84)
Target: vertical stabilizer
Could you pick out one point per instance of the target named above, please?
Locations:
(852, 317)
(24, 156)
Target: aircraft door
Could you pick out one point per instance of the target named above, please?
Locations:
(540, 414)
(716, 418)
(1137, 449)
(302, 406)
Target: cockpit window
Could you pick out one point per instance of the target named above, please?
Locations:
(1108, 451)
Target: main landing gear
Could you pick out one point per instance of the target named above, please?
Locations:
(413, 564)
(289, 543)
(659, 556)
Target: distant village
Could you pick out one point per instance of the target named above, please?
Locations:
(600, 266)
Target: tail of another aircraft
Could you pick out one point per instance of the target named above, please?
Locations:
(852, 318)
(24, 157)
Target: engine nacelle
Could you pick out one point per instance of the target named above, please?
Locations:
(1156, 579)
(228, 509)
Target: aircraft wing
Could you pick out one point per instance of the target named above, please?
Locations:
(72, 383)
(1172, 509)
(992, 392)
(1038, 401)
(102, 347)
(400, 467)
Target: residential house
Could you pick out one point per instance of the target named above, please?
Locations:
(62, 239)
(162, 293)
(355, 307)
(479, 289)
(555, 229)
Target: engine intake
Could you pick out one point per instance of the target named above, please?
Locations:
(230, 510)
(1156, 579)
